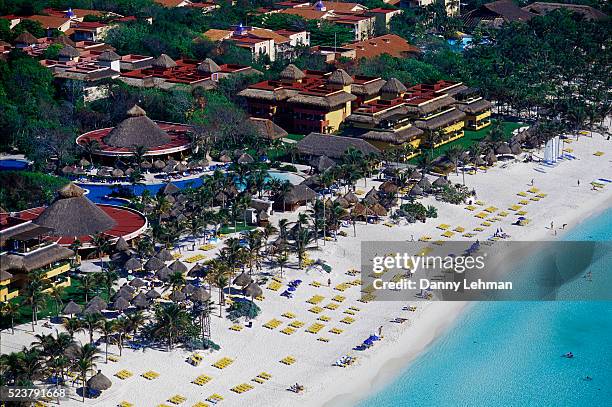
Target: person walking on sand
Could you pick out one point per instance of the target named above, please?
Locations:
(564, 225)
(329, 282)
(380, 331)
(532, 182)
(552, 225)
(578, 182)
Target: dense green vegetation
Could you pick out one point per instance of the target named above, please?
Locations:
(24, 189)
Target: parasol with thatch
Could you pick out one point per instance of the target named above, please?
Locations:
(99, 382)
(152, 294)
(440, 182)
(243, 279)
(351, 198)
(140, 301)
(98, 302)
(137, 283)
(253, 290)
(177, 296)
(137, 130)
(159, 164)
(154, 264)
(164, 255)
(416, 190)
(121, 304)
(200, 294)
(178, 267)
(163, 273)
(72, 214)
(72, 308)
(121, 245)
(132, 264)
(503, 149)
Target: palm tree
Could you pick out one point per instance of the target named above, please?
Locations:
(134, 321)
(122, 328)
(10, 310)
(73, 325)
(34, 293)
(283, 190)
(138, 154)
(107, 328)
(90, 147)
(218, 276)
(88, 282)
(56, 293)
(454, 154)
(86, 362)
(108, 279)
(171, 321)
(302, 239)
(175, 281)
(282, 260)
(92, 322)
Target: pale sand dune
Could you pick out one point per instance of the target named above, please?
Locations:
(259, 349)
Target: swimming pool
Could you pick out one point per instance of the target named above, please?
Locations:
(11, 164)
(97, 192)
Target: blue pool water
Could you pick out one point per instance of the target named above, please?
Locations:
(510, 353)
(97, 193)
(13, 165)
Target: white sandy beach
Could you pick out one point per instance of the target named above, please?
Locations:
(259, 349)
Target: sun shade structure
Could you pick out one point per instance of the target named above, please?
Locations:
(120, 304)
(164, 62)
(137, 283)
(200, 295)
(72, 308)
(97, 302)
(243, 279)
(73, 214)
(99, 382)
(164, 255)
(140, 301)
(208, 66)
(253, 290)
(178, 267)
(292, 72)
(340, 77)
(132, 264)
(137, 130)
(154, 264)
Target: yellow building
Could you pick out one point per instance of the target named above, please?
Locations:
(476, 109)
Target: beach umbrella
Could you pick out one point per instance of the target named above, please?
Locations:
(153, 264)
(72, 308)
(181, 167)
(103, 172)
(99, 382)
(123, 294)
(245, 159)
(440, 182)
(225, 158)
(121, 245)
(121, 304)
(164, 255)
(196, 271)
(415, 174)
(84, 163)
(72, 351)
(117, 172)
(163, 273)
(140, 301)
(478, 161)
(137, 283)
(159, 164)
(92, 309)
(200, 294)
(424, 184)
(416, 190)
(168, 169)
(253, 290)
(119, 257)
(177, 296)
(178, 267)
(503, 149)
(127, 288)
(516, 149)
(152, 294)
(351, 198)
(243, 279)
(145, 165)
(132, 264)
(188, 289)
(98, 302)
(342, 202)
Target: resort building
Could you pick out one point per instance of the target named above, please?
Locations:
(262, 42)
(72, 216)
(389, 44)
(23, 250)
(495, 14)
(334, 147)
(587, 12)
(476, 108)
(159, 139)
(302, 101)
(165, 73)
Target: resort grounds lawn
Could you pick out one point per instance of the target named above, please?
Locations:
(239, 228)
(472, 137)
(295, 137)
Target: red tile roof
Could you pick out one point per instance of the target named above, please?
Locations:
(391, 44)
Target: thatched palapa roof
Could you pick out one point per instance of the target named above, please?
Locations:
(340, 77)
(99, 382)
(208, 66)
(137, 130)
(164, 62)
(299, 193)
(325, 101)
(267, 128)
(292, 72)
(440, 121)
(394, 87)
(73, 214)
(332, 146)
(68, 51)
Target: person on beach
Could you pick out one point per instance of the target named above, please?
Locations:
(564, 225)
(329, 282)
(380, 330)
(552, 225)
(578, 182)
(532, 182)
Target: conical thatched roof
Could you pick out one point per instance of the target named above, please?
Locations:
(342, 202)
(379, 210)
(208, 66)
(72, 308)
(340, 77)
(72, 214)
(424, 183)
(140, 301)
(243, 279)
(516, 149)
(245, 159)
(92, 309)
(25, 38)
(132, 264)
(98, 302)
(99, 382)
(479, 161)
(137, 283)
(177, 296)
(188, 289)
(64, 39)
(292, 72)
(120, 304)
(68, 51)
(361, 210)
(163, 61)
(127, 289)
(121, 245)
(178, 267)
(416, 190)
(117, 172)
(154, 264)
(415, 174)
(351, 198)
(388, 187)
(136, 130)
(490, 158)
(225, 158)
(503, 149)
(393, 86)
(440, 182)
(109, 56)
(163, 273)
(322, 163)
(164, 255)
(170, 189)
(159, 164)
(72, 351)
(253, 290)
(152, 294)
(145, 165)
(200, 294)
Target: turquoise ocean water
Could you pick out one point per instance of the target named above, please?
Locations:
(509, 353)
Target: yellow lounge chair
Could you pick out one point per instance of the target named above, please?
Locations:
(424, 239)
(491, 209)
(315, 299)
(274, 285)
(443, 226)
(201, 380)
(288, 330)
(201, 404)
(150, 375)
(324, 318)
(481, 215)
(448, 234)
(332, 306)
(598, 153)
(459, 229)
(177, 399)
(524, 202)
(215, 398)
(521, 213)
(288, 360)
(339, 298)
(522, 193)
(515, 207)
(322, 339)
(223, 363)
(124, 374)
(126, 404)
(315, 328)
(316, 310)
(470, 208)
(236, 327)
(478, 229)
(297, 324)
(347, 320)
(289, 315)
(272, 324)
(336, 331)
(479, 203)
(316, 284)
